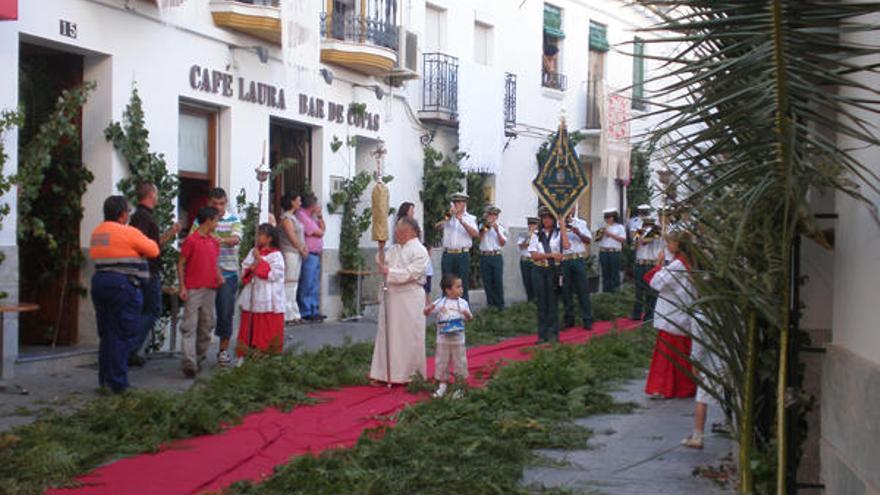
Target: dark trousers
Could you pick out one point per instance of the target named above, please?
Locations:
(151, 311)
(544, 283)
(576, 285)
(525, 269)
(646, 297)
(609, 261)
(224, 303)
(492, 272)
(118, 302)
(458, 264)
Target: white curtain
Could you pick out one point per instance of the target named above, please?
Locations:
(481, 117)
(301, 41)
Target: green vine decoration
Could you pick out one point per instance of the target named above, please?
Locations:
(639, 190)
(441, 177)
(248, 213)
(131, 139)
(50, 165)
(354, 224)
(8, 120)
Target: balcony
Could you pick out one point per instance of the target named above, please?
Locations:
(509, 103)
(439, 89)
(258, 18)
(554, 80)
(364, 44)
(594, 99)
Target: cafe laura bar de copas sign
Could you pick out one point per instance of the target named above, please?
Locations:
(223, 83)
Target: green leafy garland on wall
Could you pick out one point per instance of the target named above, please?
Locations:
(354, 224)
(131, 139)
(639, 190)
(50, 163)
(247, 211)
(441, 177)
(8, 120)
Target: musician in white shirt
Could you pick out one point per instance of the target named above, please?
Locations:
(459, 230)
(574, 272)
(546, 251)
(611, 240)
(493, 237)
(648, 243)
(525, 259)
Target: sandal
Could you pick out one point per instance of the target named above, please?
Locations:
(693, 442)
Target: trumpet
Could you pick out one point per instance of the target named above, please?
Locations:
(653, 233)
(486, 227)
(600, 233)
(448, 215)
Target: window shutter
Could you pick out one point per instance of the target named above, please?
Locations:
(553, 21)
(598, 37)
(638, 93)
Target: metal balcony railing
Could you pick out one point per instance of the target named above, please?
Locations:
(440, 84)
(554, 80)
(359, 29)
(593, 102)
(509, 100)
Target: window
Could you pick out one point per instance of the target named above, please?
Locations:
(638, 91)
(435, 29)
(196, 160)
(598, 37)
(551, 74)
(482, 43)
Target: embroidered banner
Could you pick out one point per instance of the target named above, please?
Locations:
(561, 178)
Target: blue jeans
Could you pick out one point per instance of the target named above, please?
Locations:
(610, 264)
(308, 295)
(118, 302)
(225, 304)
(152, 310)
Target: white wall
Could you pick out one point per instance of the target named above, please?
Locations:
(857, 242)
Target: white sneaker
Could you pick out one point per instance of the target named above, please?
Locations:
(239, 362)
(223, 359)
(441, 391)
(458, 394)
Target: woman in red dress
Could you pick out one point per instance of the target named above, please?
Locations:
(262, 298)
(670, 375)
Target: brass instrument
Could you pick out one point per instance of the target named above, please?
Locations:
(653, 233)
(448, 215)
(600, 233)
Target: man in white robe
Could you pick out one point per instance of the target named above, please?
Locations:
(402, 334)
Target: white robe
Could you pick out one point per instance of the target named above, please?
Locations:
(268, 293)
(405, 303)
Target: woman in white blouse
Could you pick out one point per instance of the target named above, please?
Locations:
(670, 373)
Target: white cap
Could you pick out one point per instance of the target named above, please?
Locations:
(643, 207)
(609, 211)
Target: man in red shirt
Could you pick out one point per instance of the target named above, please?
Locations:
(199, 278)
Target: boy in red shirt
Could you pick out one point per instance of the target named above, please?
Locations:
(199, 278)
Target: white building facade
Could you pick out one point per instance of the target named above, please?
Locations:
(225, 87)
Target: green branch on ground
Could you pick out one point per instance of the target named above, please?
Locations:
(478, 444)
(58, 447)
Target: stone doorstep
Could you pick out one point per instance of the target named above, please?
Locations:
(55, 361)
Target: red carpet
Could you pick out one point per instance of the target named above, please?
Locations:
(263, 440)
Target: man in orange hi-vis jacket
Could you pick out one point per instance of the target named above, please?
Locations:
(120, 255)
